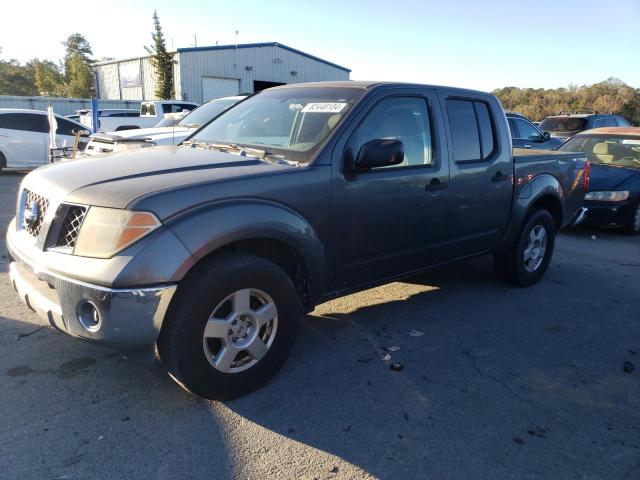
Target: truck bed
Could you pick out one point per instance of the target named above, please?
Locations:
(566, 167)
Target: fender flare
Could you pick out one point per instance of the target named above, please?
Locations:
(537, 189)
(208, 228)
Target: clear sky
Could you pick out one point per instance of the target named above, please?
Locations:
(470, 43)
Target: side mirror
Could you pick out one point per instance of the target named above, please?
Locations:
(545, 136)
(380, 153)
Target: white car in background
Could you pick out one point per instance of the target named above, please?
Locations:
(101, 143)
(149, 115)
(24, 137)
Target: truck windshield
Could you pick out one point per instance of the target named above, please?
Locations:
(206, 112)
(291, 122)
(563, 124)
(607, 150)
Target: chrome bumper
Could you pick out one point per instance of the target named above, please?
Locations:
(93, 312)
(580, 217)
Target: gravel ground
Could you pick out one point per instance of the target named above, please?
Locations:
(504, 383)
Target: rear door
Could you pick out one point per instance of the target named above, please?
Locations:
(480, 187)
(24, 138)
(391, 220)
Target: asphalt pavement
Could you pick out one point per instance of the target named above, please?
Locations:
(503, 383)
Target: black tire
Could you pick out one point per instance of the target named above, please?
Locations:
(510, 263)
(634, 227)
(180, 344)
(3, 162)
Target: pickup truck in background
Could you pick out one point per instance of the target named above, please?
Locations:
(302, 193)
(149, 115)
(105, 143)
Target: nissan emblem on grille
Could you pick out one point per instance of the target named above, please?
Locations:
(31, 215)
(35, 209)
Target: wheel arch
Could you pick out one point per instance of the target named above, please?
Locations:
(544, 191)
(264, 229)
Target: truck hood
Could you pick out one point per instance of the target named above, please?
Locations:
(605, 178)
(117, 180)
(146, 133)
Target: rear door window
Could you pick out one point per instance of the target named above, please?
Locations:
(472, 131)
(27, 122)
(609, 122)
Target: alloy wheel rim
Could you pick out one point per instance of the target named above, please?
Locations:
(536, 248)
(636, 219)
(240, 330)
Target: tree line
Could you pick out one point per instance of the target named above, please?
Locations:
(610, 96)
(73, 76)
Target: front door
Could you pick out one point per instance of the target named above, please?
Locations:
(390, 220)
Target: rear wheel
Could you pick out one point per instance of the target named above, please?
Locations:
(231, 326)
(525, 262)
(3, 162)
(634, 227)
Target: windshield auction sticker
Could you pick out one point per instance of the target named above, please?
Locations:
(324, 107)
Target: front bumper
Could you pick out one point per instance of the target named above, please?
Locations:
(609, 214)
(124, 316)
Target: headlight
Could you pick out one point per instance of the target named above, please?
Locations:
(607, 196)
(106, 231)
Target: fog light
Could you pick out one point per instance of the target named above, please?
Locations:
(88, 316)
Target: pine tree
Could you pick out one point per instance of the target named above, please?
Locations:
(77, 67)
(162, 61)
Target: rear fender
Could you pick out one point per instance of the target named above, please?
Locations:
(541, 189)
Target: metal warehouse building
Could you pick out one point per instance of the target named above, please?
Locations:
(203, 73)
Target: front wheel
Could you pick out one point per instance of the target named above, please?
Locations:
(231, 327)
(525, 262)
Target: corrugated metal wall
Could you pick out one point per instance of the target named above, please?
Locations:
(110, 87)
(62, 106)
(269, 63)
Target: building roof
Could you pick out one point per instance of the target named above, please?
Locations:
(258, 45)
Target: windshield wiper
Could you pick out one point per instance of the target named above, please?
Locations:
(195, 144)
(260, 153)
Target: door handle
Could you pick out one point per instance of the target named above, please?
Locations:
(499, 177)
(434, 185)
(526, 145)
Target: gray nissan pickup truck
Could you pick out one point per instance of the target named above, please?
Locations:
(213, 249)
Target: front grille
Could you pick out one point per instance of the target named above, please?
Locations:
(71, 226)
(35, 209)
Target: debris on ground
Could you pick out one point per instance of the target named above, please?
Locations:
(628, 367)
(394, 348)
(386, 357)
(416, 333)
(396, 367)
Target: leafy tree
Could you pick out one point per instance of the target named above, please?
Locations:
(49, 80)
(16, 79)
(79, 78)
(162, 61)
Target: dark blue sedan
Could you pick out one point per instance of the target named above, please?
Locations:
(613, 198)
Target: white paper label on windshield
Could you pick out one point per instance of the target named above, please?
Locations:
(324, 107)
(631, 141)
